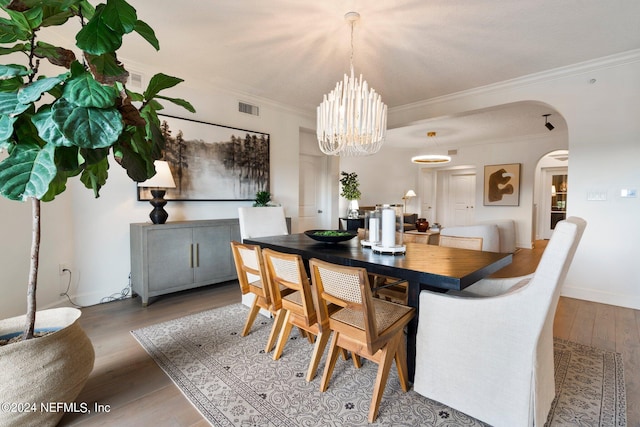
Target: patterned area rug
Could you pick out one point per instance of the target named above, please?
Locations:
(233, 382)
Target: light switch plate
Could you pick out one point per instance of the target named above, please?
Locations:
(597, 196)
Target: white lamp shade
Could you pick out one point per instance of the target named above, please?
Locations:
(410, 193)
(162, 178)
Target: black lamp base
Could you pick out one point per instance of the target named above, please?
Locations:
(158, 215)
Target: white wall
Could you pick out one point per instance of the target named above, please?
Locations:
(92, 235)
(387, 175)
(604, 145)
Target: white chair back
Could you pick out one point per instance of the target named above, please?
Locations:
(262, 221)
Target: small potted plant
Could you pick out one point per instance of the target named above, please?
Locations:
(351, 192)
(262, 199)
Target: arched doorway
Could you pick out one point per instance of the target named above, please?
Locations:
(550, 195)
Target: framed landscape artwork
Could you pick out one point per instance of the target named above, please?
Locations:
(213, 162)
(502, 185)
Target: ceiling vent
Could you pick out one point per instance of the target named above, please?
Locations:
(134, 80)
(243, 107)
(452, 152)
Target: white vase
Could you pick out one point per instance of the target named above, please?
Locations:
(353, 210)
(49, 370)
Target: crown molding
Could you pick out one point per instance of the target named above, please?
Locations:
(610, 61)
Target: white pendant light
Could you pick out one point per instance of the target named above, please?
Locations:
(431, 159)
(352, 119)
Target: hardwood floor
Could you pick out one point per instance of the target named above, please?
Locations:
(139, 393)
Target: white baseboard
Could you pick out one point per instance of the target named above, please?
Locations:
(602, 297)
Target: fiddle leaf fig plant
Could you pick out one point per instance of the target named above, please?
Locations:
(56, 127)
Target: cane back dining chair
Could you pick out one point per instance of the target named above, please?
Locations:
(491, 355)
(366, 326)
(286, 272)
(253, 280)
(474, 243)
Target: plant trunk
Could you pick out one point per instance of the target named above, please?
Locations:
(33, 269)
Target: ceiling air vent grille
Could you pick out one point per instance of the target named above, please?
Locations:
(135, 80)
(452, 152)
(248, 109)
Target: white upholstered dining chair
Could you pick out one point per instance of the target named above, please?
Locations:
(491, 355)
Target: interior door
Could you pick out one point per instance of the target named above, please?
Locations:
(427, 194)
(462, 199)
(312, 196)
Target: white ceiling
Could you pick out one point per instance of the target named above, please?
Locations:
(294, 51)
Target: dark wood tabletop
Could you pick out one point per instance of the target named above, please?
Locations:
(423, 266)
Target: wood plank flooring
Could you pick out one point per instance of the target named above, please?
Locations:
(139, 393)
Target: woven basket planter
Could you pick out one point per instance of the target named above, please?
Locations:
(45, 370)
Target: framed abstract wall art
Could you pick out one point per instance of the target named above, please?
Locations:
(213, 162)
(502, 185)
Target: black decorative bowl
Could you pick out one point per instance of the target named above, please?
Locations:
(331, 236)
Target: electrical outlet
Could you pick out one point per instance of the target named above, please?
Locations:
(63, 268)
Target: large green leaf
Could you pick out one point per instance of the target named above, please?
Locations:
(13, 70)
(20, 47)
(97, 38)
(160, 82)
(11, 31)
(6, 126)
(139, 167)
(57, 186)
(147, 33)
(179, 101)
(68, 160)
(9, 103)
(32, 18)
(92, 156)
(87, 127)
(48, 130)
(33, 91)
(95, 176)
(57, 12)
(119, 16)
(85, 91)
(27, 172)
(12, 84)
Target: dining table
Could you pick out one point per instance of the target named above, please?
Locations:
(422, 266)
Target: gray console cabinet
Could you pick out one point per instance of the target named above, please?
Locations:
(181, 255)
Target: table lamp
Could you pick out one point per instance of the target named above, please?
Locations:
(158, 184)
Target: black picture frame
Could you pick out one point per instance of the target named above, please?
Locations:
(211, 162)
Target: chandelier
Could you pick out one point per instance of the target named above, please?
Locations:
(431, 159)
(352, 119)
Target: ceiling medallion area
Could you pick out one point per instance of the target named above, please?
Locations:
(431, 159)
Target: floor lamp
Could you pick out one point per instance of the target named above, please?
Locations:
(158, 184)
(409, 194)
